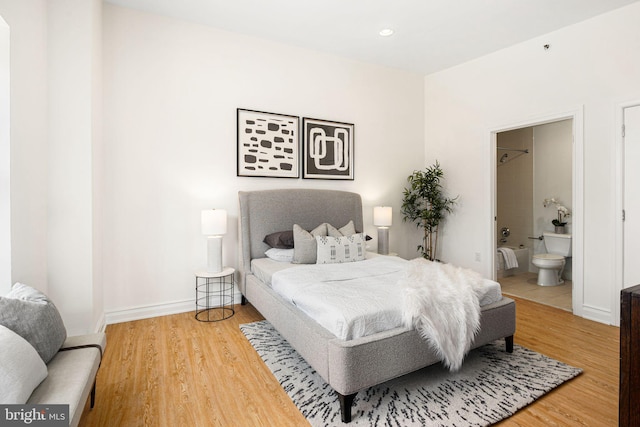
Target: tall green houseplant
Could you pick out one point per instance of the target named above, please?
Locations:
(425, 204)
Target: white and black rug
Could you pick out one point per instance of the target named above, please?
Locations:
(492, 385)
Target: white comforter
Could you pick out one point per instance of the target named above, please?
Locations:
(351, 300)
(355, 299)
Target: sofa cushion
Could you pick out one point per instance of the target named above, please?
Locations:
(29, 313)
(21, 368)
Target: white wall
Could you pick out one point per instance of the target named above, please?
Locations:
(552, 173)
(27, 22)
(171, 90)
(97, 163)
(592, 64)
(5, 161)
(54, 131)
(73, 29)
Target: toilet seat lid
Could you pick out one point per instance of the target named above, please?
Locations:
(550, 257)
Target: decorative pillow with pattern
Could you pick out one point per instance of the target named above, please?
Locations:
(331, 250)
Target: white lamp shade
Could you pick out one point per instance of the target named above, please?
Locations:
(382, 216)
(214, 222)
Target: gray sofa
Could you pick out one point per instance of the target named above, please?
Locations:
(39, 364)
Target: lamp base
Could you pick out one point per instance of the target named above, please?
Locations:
(383, 240)
(214, 254)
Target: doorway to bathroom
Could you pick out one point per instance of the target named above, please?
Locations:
(534, 195)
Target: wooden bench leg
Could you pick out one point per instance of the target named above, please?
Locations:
(345, 406)
(509, 342)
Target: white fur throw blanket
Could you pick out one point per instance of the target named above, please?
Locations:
(441, 303)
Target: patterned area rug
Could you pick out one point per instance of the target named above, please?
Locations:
(492, 385)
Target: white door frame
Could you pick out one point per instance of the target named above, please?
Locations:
(617, 214)
(577, 226)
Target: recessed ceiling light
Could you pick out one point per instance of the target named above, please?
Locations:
(386, 32)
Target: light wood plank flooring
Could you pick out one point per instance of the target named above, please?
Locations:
(524, 285)
(175, 371)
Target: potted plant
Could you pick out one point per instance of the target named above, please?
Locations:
(425, 204)
(559, 222)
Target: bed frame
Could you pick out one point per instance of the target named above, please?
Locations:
(347, 366)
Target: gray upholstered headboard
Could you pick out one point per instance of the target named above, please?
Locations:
(268, 211)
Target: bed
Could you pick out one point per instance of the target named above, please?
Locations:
(348, 366)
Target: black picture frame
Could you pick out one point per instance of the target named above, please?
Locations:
(268, 144)
(328, 149)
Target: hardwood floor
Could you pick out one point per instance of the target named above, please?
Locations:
(175, 371)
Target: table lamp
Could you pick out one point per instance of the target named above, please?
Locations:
(214, 226)
(382, 218)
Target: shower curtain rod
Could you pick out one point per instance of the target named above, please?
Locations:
(526, 151)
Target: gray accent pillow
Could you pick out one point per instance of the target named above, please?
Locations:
(30, 314)
(21, 368)
(333, 250)
(280, 239)
(304, 243)
(346, 230)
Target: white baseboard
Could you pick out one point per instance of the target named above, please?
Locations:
(154, 310)
(597, 314)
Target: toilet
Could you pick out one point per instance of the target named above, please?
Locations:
(551, 264)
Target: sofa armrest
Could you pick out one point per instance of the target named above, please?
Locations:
(83, 340)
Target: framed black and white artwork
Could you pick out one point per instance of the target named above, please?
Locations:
(328, 149)
(268, 144)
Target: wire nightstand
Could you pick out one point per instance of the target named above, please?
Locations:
(214, 295)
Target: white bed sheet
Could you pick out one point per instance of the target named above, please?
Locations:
(264, 268)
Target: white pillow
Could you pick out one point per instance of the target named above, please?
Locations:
(340, 249)
(282, 255)
(21, 368)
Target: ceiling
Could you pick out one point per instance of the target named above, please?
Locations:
(430, 35)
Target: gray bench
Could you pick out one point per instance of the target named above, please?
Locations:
(72, 375)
